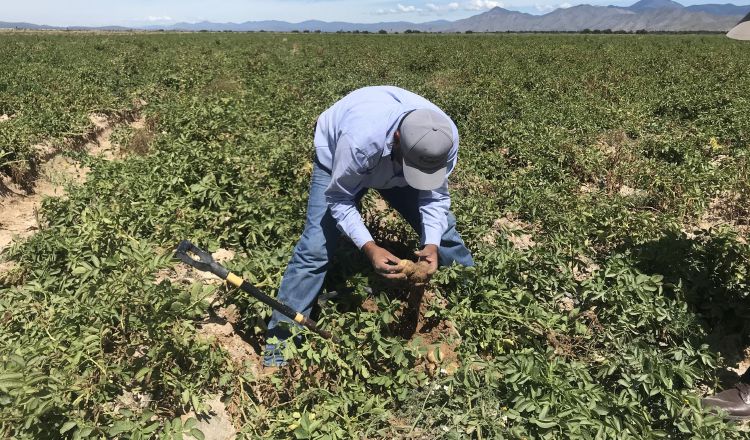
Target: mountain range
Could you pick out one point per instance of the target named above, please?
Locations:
(648, 15)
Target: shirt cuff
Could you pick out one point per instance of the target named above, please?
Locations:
(432, 235)
(360, 237)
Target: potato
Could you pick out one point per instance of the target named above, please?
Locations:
(417, 273)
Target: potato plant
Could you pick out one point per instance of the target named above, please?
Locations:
(602, 187)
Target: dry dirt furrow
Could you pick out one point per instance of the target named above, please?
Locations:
(20, 208)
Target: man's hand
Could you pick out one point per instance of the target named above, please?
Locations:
(384, 262)
(429, 253)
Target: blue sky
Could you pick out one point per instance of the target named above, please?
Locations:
(137, 12)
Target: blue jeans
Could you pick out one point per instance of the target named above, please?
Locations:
(307, 269)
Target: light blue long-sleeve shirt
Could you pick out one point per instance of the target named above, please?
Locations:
(354, 139)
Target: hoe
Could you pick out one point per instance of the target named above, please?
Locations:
(196, 257)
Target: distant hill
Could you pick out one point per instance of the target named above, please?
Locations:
(37, 27)
(715, 9)
(646, 5)
(310, 25)
(30, 26)
(649, 15)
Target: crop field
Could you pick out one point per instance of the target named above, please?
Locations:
(603, 186)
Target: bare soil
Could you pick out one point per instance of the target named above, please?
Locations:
(439, 337)
(20, 206)
(516, 231)
(584, 268)
(743, 365)
(20, 209)
(728, 209)
(241, 353)
(218, 328)
(626, 191)
(216, 424)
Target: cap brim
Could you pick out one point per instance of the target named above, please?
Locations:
(422, 180)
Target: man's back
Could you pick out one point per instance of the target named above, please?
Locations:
(368, 116)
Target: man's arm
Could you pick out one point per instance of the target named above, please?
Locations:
(346, 183)
(434, 206)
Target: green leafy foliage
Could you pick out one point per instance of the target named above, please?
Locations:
(593, 174)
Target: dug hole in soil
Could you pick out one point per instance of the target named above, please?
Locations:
(438, 337)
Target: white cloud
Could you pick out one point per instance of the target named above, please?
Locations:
(478, 5)
(410, 8)
(439, 8)
(158, 18)
(399, 9)
(544, 8)
(431, 7)
(549, 8)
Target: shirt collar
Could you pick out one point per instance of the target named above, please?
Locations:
(396, 117)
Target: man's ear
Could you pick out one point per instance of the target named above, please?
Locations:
(397, 136)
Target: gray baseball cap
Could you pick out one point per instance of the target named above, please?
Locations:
(426, 140)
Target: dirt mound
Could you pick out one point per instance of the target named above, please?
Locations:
(727, 209)
(417, 273)
(518, 232)
(20, 208)
(20, 203)
(215, 423)
(241, 352)
(440, 337)
(102, 145)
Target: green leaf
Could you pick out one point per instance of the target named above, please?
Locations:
(190, 423)
(120, 426)
(544, 423)
(140, 374)
(67, 426)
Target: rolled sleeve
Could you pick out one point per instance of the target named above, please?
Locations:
(346, 183)
(434, 206)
